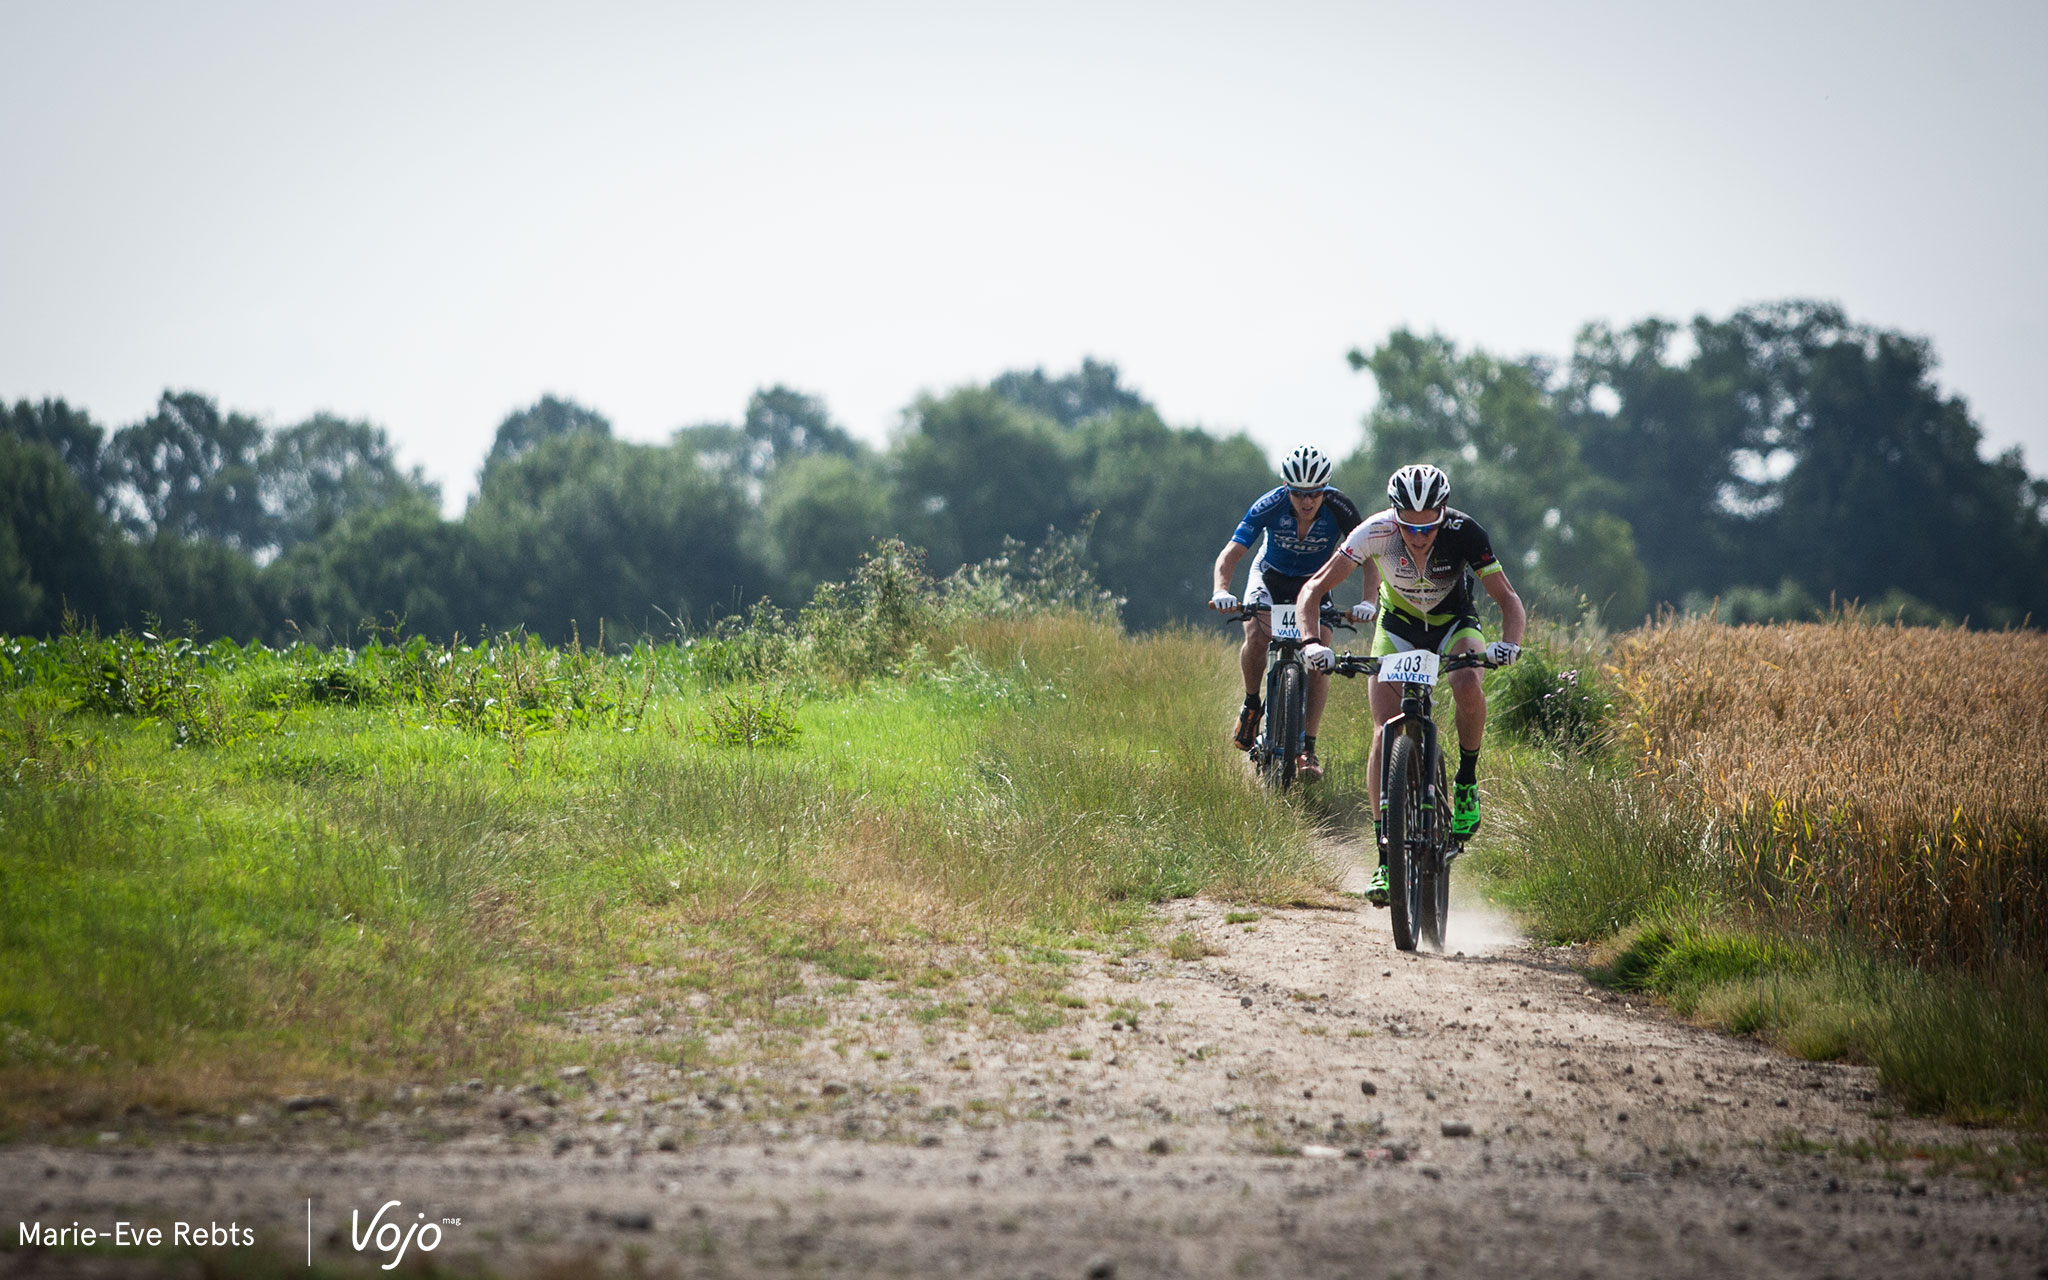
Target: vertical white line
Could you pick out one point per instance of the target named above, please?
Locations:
(309, 1231)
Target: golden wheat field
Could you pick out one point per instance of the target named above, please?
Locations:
(1889, 781)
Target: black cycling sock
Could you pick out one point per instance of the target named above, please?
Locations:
(1251, 702)
(1379, 838)
(1468, 767)
(1308, 742)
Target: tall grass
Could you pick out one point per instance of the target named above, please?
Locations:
(1886, 781)
(410, 859)
(1827, 834)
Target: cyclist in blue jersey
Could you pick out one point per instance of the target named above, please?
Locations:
(1302, 523)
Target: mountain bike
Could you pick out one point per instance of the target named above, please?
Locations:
(1415, 788)
(1278, 746)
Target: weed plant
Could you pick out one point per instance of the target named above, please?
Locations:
(1551, 697)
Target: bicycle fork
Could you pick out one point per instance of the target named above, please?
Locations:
(1415, 720)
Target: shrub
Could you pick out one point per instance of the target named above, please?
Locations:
(1538, 702)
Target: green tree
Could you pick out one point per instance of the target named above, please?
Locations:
(1092, 391)
(1794, 456)
(54, 546)
(397, 563)
(582, 528)
(781, 427)
(548, 418)
(71, 433)
(972, 469)
(820, 514)
(191, 472)
(1165, 500)
(1885, 486)
(324, 469)
(1493, 427)
(1666, 437)
(201, 583)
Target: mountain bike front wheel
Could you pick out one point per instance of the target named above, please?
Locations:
(1284, 712)
(1407, 827)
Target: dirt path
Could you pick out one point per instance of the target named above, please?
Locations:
(1309, 1101)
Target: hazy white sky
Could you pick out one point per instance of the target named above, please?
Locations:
(428, 215)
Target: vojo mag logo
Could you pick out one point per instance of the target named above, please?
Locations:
(396, 1236)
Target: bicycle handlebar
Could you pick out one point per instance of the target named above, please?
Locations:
(1330, 615)
(1352, 665)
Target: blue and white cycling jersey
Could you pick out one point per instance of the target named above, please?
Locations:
(1288, 550)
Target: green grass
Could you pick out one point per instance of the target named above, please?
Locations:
(334, 879)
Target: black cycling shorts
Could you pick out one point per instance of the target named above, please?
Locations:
(1279, 588)
(1398, 631)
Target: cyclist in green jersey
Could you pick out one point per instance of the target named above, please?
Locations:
(1421, 556)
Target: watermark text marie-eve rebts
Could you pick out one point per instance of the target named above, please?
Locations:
(133, 1235)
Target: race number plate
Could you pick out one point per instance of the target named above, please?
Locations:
(1286, 622)
(1416, 666)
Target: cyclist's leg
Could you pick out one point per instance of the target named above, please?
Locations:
(1251, 656)
(1465, 637)
(1251, 661)
(1258, 633)
(1466, 687)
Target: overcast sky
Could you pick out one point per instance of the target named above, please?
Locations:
(427, 215)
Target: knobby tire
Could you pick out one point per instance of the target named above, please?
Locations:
(1440, 875)
(1406, 824)
(1283, 723)
(1435, 879)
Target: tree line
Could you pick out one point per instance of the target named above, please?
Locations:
(1771, 461)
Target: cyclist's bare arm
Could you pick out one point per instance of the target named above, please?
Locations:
(1326, 579)
(1311, 592)
(1513, 617)
(1227, 561)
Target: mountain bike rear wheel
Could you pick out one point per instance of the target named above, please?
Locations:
(1435, 877)
(1407, 826)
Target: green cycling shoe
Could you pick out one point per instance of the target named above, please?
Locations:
(1376, 888)
(1464, 810)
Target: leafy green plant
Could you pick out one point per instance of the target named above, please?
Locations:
(1543, 703)
(867, 628)
(757, 716)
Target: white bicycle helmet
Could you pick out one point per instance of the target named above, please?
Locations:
(1418, 487)
(1305, 468)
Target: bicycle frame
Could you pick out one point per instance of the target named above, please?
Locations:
(1417, 720)
(1421, 864)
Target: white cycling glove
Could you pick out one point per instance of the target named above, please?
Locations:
(1364, 611)
(1223, 602)
(1319, 657)
(1500, 653)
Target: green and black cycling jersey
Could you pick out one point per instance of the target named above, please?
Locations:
(1428, 604)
